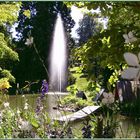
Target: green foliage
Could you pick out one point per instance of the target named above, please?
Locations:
(27, 13)
(8, 75)
(100, 59)
(6, 53)
(131, 109)
(73, 101)
(18, 122)
(98, 62)
(114, 78)
(81, 82)
(9, 12)
(8, 16)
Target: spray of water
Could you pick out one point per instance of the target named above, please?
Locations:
(58, 57)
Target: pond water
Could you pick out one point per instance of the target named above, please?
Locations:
(50, 101)
(127, 128)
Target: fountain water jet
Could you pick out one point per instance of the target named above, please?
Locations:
(58, 57)
(58, 67)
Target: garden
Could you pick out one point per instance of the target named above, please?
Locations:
(69, 69)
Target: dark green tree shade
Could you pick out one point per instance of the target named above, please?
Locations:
(87, 28)
(41, 24)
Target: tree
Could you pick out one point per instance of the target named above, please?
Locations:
(41, 25)
(9, 13)
(87, 28)
(108, 46)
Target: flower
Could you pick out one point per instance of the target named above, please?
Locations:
(26, 106)
(39, 103)
(0, 114)
(23, 96)
(108, 98)
(44, 88)
(39, 106)
(29, 41)
(129, 38)
(4, 84)
(6, 104)
(25, 125)
(18, 111)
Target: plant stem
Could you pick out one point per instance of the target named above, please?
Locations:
(41, 60)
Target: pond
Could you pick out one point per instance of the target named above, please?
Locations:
(50, 102)
(17, 101)
(127, 128)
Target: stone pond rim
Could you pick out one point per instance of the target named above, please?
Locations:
(57, 93)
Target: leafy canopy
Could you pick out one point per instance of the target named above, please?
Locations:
(8, 16)
(101, 57)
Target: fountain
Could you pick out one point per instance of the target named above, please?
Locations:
(58, 57)
(58, 67)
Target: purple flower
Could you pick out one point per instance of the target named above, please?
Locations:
(44, 88)
(39, 102)
(39, 105)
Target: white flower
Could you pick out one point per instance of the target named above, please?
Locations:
(1, 118)
(129, 38)
(23, 96)
(12, 114)
(0, 114)
(41, 108)
(26, 106)
(20, 120)
(15, 134)
(25, 125)
(6, 104)
(18, 111)
(36, 136)
(104, 101)
(108, 98)
(29, 41)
